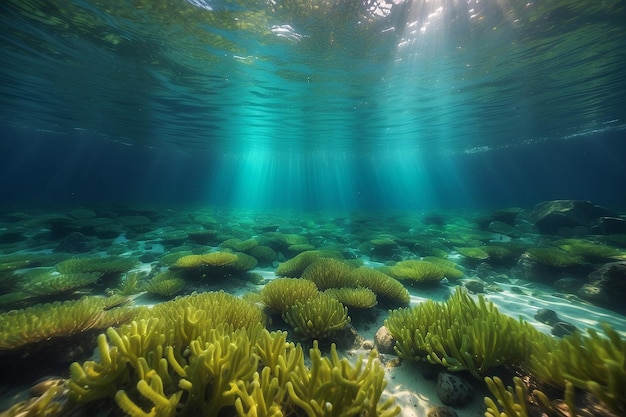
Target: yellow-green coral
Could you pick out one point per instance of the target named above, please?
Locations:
(264, 254)
(165, 283)
(474, 253)
(593, 362)
(591, 252)
(281, 293)
(60, 319)
(462, 334)
(387, 289)
(415, 272)
(329, 273)
(105, 265)
(207, 259)
(239, 245)
(317, 318)
(295, 266)
(553, 257)
(359, 297)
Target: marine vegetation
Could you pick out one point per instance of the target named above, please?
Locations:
(359, 297)
(105, 265)
(215, 264)
(513, 401)
(415, 272)
(589, 251)
(213, 259)
(295, 266)
(216, 368)
(44, 322)
(239, 245)
(166, 283)
(592, 362)
(281, 293)
(317, 318)
(475, 253)
(388, 290)
(553, 257)
(329, 273)
(264, 254)
(133, 283)
(462, 334)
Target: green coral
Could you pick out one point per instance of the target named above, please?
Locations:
(359, 297)
(295, 266)
(329, 273)
(475, 253)
(44, 322)
(264, 254)
(105, 265)
(388, 290)
(166, 283)
(317, 318)
(415, 272)
(593, 362)
(461, 334)
(239, 245)
(589, 251)
(213, 259)
(281, 293)
(553, 257)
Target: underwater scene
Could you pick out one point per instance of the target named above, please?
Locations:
(308, 208)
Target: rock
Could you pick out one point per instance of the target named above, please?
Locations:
(75, 242)
(484, 270)
(475, 286)
(568, 285)
(606, 286)
(384, 341)
(610, 226)
(441, 411)
(563, 328)
(453, 390)
(547, 316)
(550, 217)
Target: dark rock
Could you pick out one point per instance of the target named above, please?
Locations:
(441, 411)
(75, 242)
(434, 219)
(484, 270)
(610, 226)
(563, 328)
(547, 316)
(551, 216)
(454, 390)
(384, 341)
(503, 229)
(568, 285)
(606, 286)
(475, 286)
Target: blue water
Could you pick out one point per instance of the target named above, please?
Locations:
(312, 104)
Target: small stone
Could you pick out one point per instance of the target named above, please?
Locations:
(475, 286)
(563, 328)
(384, 341)
(546, 316)
(568, 285)
(441, 411)
(453, 390)
(367, 345)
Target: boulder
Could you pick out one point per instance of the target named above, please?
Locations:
(384, 341)
(454, 390)
(550, 217)
(606, 286)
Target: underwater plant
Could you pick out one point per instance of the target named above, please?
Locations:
(213, 259)
(295, 266)
(388, 290)
(318, 317)
(589, 251)
(475, 253)
(43, 322)
(593, 362)
(133, 283)
(415, 272)
(281, 293)
(264, 254)
(359, 297)
(553, 257)
(239, 245)
(166, 283)
(105, 265)
(329, 273)
(461, 334)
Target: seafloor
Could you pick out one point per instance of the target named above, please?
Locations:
(521, 259)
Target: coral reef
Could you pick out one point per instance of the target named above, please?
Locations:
(415, 272)
(462, 334)
(317, 318)
(295, 266)
(359, 297)
(388, 290)
(329, 273)
(166, 283)
(281, 293)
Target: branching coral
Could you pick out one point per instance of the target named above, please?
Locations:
(317, 318)
(329, 273)
(281, 293)
(387, 289)
(461, 334)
